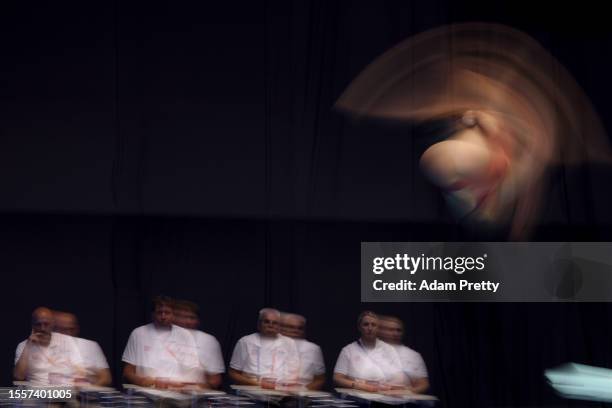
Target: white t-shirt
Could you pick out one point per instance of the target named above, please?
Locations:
(91, 353)
(413, 364)
(265, 357)
(311, 359)
(170, 354)
(56, 364)
(209, 352)
(380, 363)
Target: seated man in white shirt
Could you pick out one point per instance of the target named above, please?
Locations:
(94, 362)
(369, 364)
(47, 358)
(186, 315)
(312, 366)
(391, 331)
(161, 354)
(265, 358)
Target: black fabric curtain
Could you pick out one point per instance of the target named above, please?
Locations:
(191, 149)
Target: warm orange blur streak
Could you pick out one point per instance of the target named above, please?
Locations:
(499, 73)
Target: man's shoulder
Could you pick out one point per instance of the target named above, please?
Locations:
(86, 344)
(305, 345)
(20, 347)
(182, 333)
(59, 338)
(385, 346)
(350, 347)
(250, 338)
(404, 350)
(287, 341)
(203, 337)
(142, 330)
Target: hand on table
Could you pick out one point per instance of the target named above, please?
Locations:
(267, 384)
(164, 384)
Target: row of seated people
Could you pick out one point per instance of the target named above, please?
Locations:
(171, 353)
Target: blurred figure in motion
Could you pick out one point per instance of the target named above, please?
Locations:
(45, 357)
(186, 315)
(161, 354)
(265, 358)
(391, 331)
(95, 366)
(369, 364)
(512, 110)
(312, 366)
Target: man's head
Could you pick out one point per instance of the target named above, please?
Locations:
(42, 324)
(367, 323)
(390, 329)
(162, 312)
(269, 322)
(186, 314)
(293, 325)
(66, 323)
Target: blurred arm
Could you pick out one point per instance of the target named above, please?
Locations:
(20, 372)
(129, 373)
(239, 377)
(419, 385)
(317, 382)
(102, 377)
(214, 380)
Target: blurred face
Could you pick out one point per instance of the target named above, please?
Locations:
(186, 318)
(42, 324)
(269, 324)
(390, 331)
(163, 316)
(292, 326)
(66, 323)
(368, 327)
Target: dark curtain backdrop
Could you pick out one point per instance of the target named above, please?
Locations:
(191, 149)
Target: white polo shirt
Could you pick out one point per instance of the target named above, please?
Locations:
(311, 359)
(380, 363)
(261, 357)
(157, 353)
(56, 364)
(413, 364)
(209, 352)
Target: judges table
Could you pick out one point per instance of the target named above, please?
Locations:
(349, 398)
(246, 397)
(288, 396)
(396, 397)
(185, 397)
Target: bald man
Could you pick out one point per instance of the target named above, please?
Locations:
(45, 357)
(94, 363)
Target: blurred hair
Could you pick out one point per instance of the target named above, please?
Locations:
(188, 305)
(392, 319)
(365, 313)
(267, 310)
(162, 300)
(294, 316)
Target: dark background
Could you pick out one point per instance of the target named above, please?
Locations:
(191, 149)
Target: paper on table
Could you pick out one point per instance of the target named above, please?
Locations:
(385, 398)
